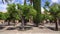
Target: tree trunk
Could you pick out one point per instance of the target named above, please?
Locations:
(35, 23)
(22, 23)
(59, 21)
(43, 23)
(14, 22)
(56, 25)
(8, 22)
(25, 21)
(46, 21)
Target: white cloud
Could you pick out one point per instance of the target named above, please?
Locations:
(55, 1)
(3, 7)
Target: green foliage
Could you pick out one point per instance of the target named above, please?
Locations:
(3, 16)
(26, 10)
(47, 3)
(51, 17)
(42, 17)
(36, 6)
(13, 12)
(58, 15)
(54, 9)
(6, 15)
(45, 17)
(32, 12)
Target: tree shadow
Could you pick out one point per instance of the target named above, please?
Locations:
(19, 28)
(1, 27)
(51, 28)
(11, 28)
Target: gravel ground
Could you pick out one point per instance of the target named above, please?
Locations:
(33, 30)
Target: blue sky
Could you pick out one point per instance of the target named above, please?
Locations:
(3, 6)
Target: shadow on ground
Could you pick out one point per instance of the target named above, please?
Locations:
(53, 28)
(19, 28)
(11, 28)
(1, 27)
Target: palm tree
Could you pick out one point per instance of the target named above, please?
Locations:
(54, 10)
